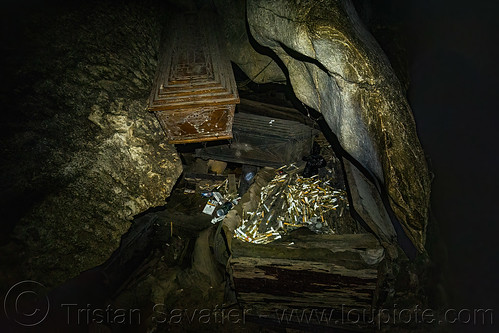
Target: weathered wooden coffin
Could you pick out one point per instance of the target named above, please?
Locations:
(328, 274)
(194, 92)
(263, 141)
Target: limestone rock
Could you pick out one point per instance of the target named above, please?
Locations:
(258, 67)
(86, 145)
(336, 67)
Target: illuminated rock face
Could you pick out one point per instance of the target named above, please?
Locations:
(88, 146)
(336, 67)
(260, 68)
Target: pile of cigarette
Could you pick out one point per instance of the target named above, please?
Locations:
(288, 202)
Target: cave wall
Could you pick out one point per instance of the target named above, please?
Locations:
(82, 155)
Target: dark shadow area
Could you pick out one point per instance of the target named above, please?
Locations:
(452, 51)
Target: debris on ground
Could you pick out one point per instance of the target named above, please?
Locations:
(309, 193)
(290, 201)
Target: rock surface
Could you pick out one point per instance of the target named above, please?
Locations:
(260, 68)
(336, 67)
(82, 154)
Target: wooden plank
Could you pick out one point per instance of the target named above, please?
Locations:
(367, 202)
(232, 183)
(273, 111)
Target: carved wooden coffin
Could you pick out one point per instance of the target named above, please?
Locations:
(194, 92)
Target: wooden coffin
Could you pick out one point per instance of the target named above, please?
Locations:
(263, 141)
(323, 276)
(194, 92)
